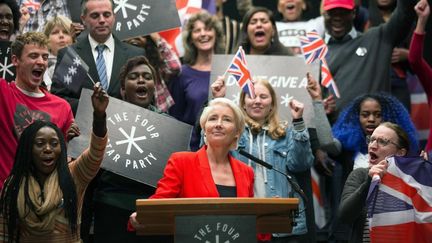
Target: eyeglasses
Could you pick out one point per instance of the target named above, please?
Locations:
(382, 142)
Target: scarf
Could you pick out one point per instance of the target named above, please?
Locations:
(42, 220)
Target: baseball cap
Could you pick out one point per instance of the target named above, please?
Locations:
(331, 4)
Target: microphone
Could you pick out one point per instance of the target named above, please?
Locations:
(289, 178)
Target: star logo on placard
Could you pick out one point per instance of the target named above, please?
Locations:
(131, 140)
(123, 5)
(286, 100)
(4, 67)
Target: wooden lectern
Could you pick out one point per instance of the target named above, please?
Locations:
(272, 215)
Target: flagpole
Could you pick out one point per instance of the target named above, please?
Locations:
(88, 75)
(232, 60)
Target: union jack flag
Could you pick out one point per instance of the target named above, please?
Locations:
(313, 47)
(327, 79)
(400, 203)
(238, 68)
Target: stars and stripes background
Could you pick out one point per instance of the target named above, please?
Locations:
(400, 203)
(238, 68)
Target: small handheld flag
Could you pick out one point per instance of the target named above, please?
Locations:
(314, 48)
(238, 69)
(71, 71)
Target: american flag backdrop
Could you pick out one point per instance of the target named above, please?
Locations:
(400, 203)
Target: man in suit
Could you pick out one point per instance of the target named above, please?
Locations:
(99, 19)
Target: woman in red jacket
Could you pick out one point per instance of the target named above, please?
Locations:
(211, 171)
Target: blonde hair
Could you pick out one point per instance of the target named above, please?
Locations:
(239, 120)
(276, 129)
(58, 21)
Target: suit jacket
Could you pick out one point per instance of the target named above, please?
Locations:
(122, 52)
(187, 174)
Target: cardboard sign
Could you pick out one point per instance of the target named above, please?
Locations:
(286, 74)
(140, 140)
(142, 17)
(7, 69)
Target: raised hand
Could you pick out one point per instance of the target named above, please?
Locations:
(329, 104)
(99, 100)
(313, 88)
(218, 87)
(296, 109)
(423, 11)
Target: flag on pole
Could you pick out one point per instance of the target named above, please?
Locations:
(327, 79)
(71, 71)
(400, 203)
(238, 69)
(314, 48)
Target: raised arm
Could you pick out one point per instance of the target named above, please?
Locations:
(86, 166)
(323, 129)
(415, 58)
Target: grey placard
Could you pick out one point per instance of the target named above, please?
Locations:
(286, 74)
(140, 141)
(142, 17)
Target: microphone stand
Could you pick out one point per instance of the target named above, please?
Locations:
(289, 178)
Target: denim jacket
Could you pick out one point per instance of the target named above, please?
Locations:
(291, 153)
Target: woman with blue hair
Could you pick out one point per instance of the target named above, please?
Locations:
(360, 118)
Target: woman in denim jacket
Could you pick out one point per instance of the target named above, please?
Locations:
(286, 148)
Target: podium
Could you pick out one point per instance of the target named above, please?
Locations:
(226, 216)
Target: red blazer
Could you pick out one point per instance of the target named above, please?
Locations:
(187, 174)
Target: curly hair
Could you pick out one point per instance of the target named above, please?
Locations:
(36, 38)
(12, 4)
(349, 132)
(23, 168)
(210, 21)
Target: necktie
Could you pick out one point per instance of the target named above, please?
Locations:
(101, 67)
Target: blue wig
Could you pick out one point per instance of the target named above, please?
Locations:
(349, 132)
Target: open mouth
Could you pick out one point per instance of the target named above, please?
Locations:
(370, 129)
(48, 161)
(37, 73)
(290, 6)
(373, 158)
(142, 92)
(4, 33)
(260, 36)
